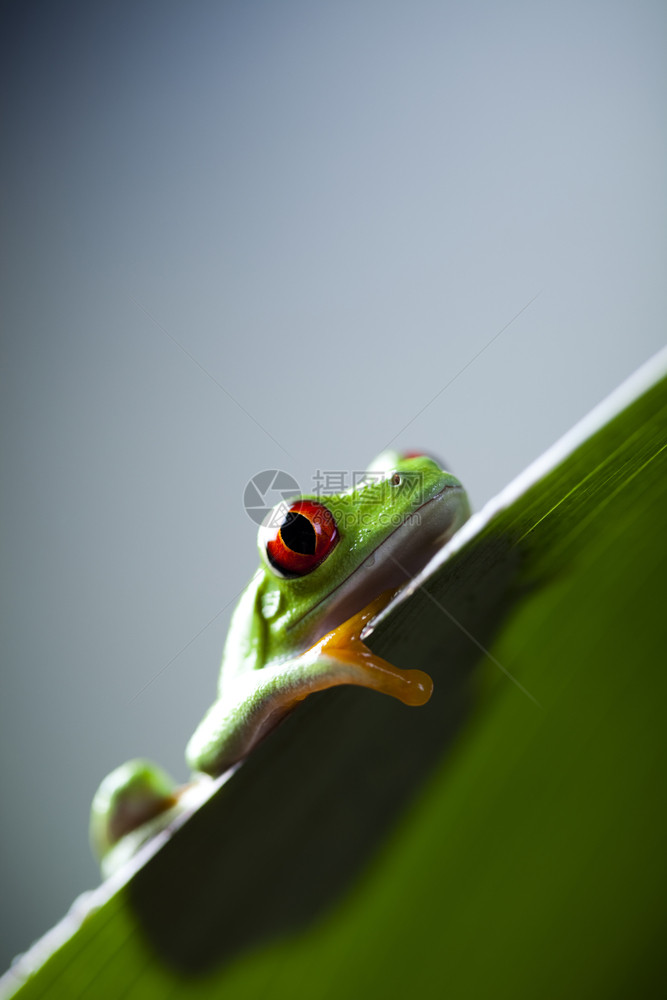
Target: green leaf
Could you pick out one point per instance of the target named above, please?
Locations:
(505, 840)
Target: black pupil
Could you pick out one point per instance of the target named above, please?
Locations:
(298, 534)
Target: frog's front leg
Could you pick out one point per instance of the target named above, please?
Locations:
(257, 701)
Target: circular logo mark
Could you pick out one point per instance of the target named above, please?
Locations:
(265, 490)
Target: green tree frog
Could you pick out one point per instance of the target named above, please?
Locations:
(328, 565)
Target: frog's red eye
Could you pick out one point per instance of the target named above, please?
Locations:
(304, 537)
(423, 454)
(414, 454)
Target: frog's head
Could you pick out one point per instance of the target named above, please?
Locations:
(327, 557)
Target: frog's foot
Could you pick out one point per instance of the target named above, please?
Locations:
(258, 701)
(352, 662)
(133, 800)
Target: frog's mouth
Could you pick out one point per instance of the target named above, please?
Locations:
(392, 563)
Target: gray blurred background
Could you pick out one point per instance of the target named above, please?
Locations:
(241, 236)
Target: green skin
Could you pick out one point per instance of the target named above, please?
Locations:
(389, 526)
